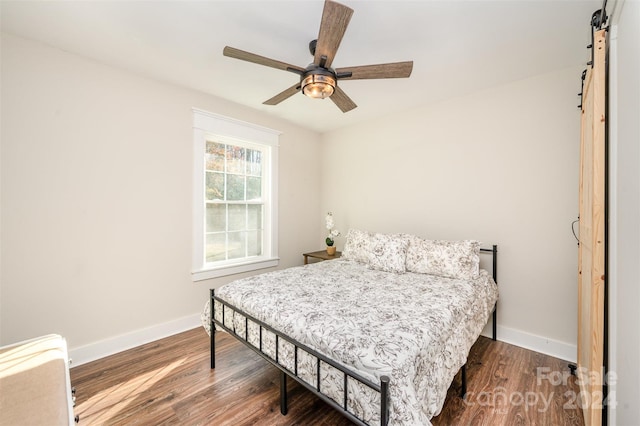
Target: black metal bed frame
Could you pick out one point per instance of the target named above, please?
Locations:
(382, 388)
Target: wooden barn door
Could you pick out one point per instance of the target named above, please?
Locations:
(591, 252)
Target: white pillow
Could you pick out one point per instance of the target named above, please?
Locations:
(357, 246)
(388, 253)
(450, 259)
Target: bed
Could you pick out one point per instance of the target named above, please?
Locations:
(378, 334)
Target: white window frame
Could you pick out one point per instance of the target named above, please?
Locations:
(209, 126)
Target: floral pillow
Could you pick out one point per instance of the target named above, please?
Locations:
(450, 259)
(388, 253)
(357, 246)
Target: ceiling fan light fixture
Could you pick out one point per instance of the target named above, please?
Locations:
(318, 86)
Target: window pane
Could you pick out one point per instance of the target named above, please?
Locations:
(214, 156)
(215, 249)
(235, 188)
(214, 188)
(254, 217)
(237, 217)
(216, 218)
(254, 243)
(254, 162)
(254, 188)
(236, 245)
(235, 206)
(235, 159)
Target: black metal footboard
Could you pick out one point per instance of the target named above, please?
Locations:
(381, 388)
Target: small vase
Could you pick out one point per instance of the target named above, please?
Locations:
(331, 250)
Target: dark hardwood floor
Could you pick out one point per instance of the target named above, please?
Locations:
(169, 382)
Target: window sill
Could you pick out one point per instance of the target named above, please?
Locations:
(223, 271)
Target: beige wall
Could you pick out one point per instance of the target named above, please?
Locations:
(500, 166)
(624, 235)
(96, 196)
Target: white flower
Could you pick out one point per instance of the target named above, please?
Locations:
(329, 220)
(333, 233)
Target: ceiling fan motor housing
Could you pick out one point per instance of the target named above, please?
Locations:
(312, 47)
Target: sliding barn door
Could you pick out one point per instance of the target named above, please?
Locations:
(591, 252)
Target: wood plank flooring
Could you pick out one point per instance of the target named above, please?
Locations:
(169, 382)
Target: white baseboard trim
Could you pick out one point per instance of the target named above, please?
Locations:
(555, 348)
(102, 348)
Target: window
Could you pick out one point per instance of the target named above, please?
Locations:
(235, 197)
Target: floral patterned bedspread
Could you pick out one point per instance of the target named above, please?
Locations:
(415, 328)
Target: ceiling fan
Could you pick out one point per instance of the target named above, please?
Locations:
(318, 79)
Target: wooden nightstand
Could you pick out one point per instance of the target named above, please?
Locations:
(322, 254)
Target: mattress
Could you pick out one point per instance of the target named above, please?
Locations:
(416, 329)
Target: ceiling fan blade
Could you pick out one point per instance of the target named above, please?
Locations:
(342, 101)
(232, 52)
(392, 70)
(285, 94)
(335, 18)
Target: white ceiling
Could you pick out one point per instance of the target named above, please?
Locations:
(457, 46)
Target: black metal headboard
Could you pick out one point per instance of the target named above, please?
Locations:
(494, 272)
(494, 253)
